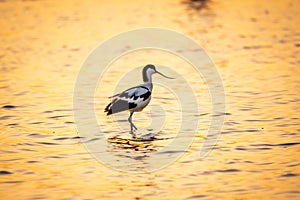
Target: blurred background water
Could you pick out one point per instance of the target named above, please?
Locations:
(255, 45)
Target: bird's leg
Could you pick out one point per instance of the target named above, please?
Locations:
(131, 124)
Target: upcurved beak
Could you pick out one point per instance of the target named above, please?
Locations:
(164, 75)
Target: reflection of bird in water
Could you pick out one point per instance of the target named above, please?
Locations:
(197, 4)
(136, 145)
(136, 98)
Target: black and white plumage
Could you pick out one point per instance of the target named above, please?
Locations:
(134, 99)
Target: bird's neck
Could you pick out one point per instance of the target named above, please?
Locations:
(147, 78)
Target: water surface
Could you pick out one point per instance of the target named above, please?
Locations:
(255, 45)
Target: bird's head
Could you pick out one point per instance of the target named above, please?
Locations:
(149, 70)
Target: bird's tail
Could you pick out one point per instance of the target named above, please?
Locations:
(108, 109)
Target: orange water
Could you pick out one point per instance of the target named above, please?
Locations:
(255, 45)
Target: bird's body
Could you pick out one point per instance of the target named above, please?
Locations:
(134, 99)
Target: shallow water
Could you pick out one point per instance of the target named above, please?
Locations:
(255, 45)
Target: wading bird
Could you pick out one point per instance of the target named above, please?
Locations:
(134, 99)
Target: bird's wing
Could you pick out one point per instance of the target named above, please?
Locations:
(116, 95)
(128, 99)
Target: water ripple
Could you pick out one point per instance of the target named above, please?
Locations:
(282, 144)
(9, 107)
(4, 172)
(289, 175)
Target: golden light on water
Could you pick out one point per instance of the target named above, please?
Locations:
(255, 45)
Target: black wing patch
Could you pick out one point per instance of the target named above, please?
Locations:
(146, 95)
